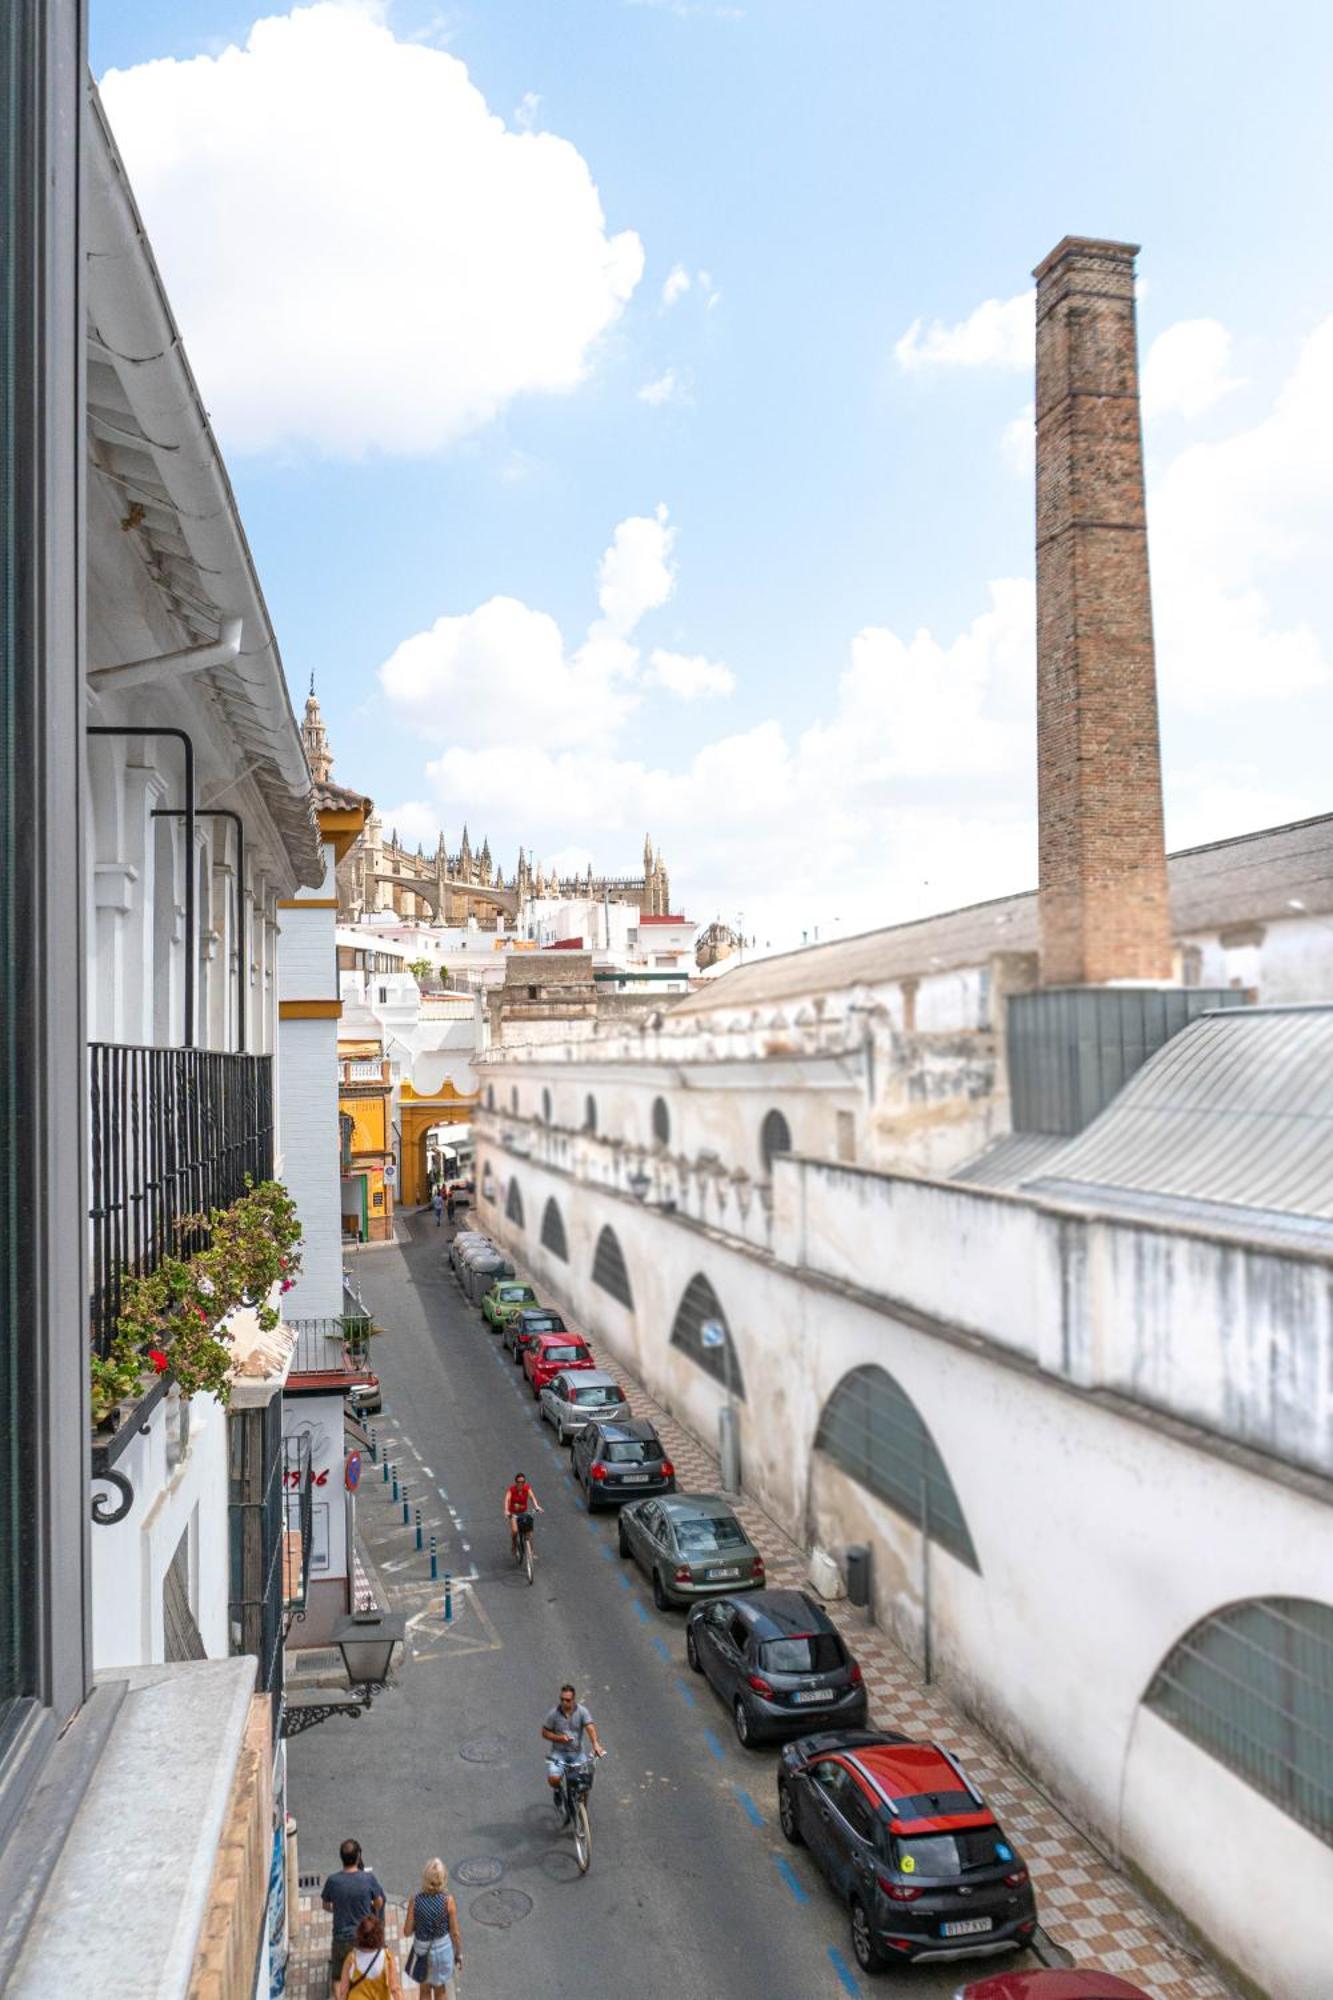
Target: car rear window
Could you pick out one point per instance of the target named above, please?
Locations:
(633, 1451)
(598, 1397)
(703, 1535)
(510, 1292)
(803, 1653)
(566, 1354)
(542, 1323)
(944, 1854)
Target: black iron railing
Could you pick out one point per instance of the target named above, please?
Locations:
(173, 1132)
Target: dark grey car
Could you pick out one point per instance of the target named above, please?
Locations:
(523, 1326)
(779, 1663)
(620, 1461)
(691, 1545)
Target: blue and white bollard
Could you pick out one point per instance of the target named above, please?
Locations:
(434, 1564)
(448, 1598)
(395, 1482)
(420, 1543)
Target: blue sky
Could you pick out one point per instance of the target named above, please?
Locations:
(444, 380)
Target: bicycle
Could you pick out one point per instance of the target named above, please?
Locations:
(523, 1543)
(572, 1802)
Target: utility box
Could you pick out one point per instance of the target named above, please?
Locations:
(858, 1574)
(826, 1576)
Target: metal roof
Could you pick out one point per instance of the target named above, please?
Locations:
(1010, 1161)
(1231, 1122)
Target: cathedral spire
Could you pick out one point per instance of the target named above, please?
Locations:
(315, 739)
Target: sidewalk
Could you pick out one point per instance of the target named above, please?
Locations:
(1087, 1908)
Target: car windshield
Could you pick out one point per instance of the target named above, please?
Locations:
(632, 1451)
(598, 1397)
(705, 1535)
(803, 1653)
(566, 1354)
(943, 1854)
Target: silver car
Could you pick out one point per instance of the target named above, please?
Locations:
(583, 1396)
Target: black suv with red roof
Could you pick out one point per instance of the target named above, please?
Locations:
(909, 1844)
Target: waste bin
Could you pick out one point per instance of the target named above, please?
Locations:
(858, 1574)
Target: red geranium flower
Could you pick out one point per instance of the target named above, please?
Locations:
(158, 1359)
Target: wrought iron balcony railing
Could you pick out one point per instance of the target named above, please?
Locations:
(174, 1132)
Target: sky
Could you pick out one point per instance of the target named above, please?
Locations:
(629, 407)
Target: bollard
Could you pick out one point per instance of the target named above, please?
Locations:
(395, 1482)
(420, 1543)
(434, 1565)
(407, 1511)
(384, 1469)
(448, 1598)
(374, 1447)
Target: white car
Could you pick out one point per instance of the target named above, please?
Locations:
(580, 1397)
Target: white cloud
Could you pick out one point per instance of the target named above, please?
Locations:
(525, 113)
(636, 574)
(678, 282)
(361, 255)
(1185, 371)
(1226, 519)
(664, 388)
(998, 334)
(1217, 802)
(416, 823)
(690, 675)
(1018, 439)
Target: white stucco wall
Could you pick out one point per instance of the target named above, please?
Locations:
(1101, 1537)
(309, 1141)
(131, 1558)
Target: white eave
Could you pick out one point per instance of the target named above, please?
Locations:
(150, 437)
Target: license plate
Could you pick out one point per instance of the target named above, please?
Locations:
(811, 1694)
(967, 1929)
(721, 1575)
(634, 1478)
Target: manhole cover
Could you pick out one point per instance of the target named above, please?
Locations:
(483, 1750)
(500, 1908)
(478, 1872)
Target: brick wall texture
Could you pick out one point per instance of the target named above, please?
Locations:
(1102, 857)
(228, 1947)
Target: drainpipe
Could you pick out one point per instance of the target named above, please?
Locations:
(242, 967)
(188, 812)
(219, 652)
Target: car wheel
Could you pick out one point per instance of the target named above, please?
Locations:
(560, 1435)
(660, 1598)
(692, 1659)
(744, 1733)
(622, 1544)
(787, 1815)
(589, 1502)
(864, 1949)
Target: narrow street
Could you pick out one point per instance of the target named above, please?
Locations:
(692, 1889)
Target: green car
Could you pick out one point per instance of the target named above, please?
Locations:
(505, 1299)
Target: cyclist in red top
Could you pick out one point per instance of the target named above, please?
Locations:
(520, 1499)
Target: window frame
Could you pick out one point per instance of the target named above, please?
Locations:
(42, 843)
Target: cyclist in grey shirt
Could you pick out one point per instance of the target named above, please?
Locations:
(564, 1729)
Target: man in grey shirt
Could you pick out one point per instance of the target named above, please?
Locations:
(352, 1893)
(565, 1729)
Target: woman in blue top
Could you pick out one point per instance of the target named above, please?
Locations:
(432, 1923)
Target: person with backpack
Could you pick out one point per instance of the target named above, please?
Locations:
(371, 1972)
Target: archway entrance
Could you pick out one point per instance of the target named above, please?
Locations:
(416, 1116)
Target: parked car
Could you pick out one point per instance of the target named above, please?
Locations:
(548, 1353)
(908, 1843)
(574, 1397)
(690, 1545)
(778, 1661)
(504, 1300)
(1070, 1984)
(526, 1325)
(620, 1459)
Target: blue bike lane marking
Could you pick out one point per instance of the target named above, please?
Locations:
(843, 1970)
(791, 1878)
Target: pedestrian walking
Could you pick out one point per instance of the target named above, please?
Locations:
(371, 1972)
(437, 1203)
(452, 1204)
(432, 1924)
(352, 1893)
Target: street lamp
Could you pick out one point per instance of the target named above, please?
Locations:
(712, 1333)
(366, 1640)
(639, 1184)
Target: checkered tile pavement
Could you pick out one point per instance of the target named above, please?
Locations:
(1086, 1905)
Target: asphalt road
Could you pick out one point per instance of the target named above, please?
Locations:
(692, 1893)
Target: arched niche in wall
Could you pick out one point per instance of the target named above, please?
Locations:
(774, 1138)
(700, 1307)
(872, 1430)
(514, 1203)
(609, 1272)
(661, 1122)
(553, 1231)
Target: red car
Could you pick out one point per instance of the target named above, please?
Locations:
(546, 1356)
(1071, 1985)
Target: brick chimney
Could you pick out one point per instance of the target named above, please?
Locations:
(1102, 855)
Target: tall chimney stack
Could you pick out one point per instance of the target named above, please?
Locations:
(1102, 854)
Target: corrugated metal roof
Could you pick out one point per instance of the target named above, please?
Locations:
(1248, 880)
(1234, 1114)
(1009, 1161)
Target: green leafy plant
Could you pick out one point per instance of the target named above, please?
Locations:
(173, 1318)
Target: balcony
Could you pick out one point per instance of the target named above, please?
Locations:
(173, 1133)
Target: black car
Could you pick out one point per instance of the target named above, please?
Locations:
(617, 1461)
(909, 1844)
(525, 1325)
(779, 1663)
